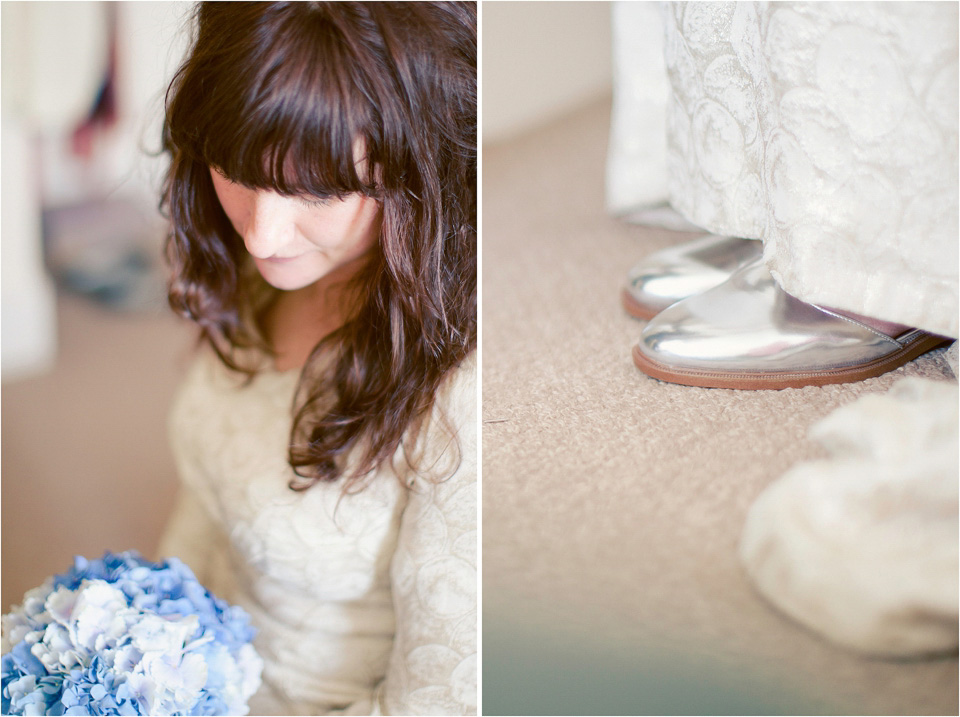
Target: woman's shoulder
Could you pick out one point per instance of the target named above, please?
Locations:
(458, 392)
(455, 408)
(445, 450)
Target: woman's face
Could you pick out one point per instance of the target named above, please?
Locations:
(295, 241)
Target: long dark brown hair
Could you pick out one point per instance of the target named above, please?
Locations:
(278, 96)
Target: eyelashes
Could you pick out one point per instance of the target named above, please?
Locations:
(311, 201)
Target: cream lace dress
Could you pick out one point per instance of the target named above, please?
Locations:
(827, 129)
(365, 603)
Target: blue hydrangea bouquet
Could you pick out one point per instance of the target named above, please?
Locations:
(125, 636)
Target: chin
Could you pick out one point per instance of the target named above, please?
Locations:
(287, 278)
(288, 283)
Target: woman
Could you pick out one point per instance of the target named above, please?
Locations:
(322, 196)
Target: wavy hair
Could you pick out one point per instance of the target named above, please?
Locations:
(277, 96)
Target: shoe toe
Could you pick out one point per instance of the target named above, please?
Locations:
(657, 284)
(675, 273)
(748, 326)
(678, 337)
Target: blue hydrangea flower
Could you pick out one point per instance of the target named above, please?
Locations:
(125, 636)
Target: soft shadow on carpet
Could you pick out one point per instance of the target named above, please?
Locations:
(613, 503)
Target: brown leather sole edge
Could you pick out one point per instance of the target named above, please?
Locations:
(635, 308)
(756, 381)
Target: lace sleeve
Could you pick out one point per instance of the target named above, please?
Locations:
(189, 535)
(433, 665)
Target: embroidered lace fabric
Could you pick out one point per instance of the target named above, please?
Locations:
(365, 603)
(828, 130)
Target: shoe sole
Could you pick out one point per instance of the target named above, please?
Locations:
(754, 381)
(635, 308)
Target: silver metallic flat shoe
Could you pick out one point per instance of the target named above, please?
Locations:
(747, 333)
(677, 272)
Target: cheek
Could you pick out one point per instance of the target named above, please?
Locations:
(233, 207)
(234, 201)
(351, 230)
(369, 219)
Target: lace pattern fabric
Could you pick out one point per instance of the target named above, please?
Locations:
(366, 602)
(828, 130)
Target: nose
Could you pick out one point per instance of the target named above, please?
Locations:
(269, 226)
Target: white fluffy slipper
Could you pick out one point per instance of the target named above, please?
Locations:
(863, 546)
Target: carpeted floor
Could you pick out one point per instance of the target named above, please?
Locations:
(86, 465)
(613, 503)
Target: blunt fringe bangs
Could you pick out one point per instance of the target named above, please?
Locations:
(330, 99)
(287, 118)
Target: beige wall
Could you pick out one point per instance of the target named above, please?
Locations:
(540, 59)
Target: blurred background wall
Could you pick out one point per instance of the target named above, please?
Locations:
(90, 351)
(541, 60)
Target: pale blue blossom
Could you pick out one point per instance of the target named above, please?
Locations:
(124, 636)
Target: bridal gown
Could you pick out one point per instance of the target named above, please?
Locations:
(828, 130)
(365, 603)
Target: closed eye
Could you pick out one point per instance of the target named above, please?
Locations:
(311, 201)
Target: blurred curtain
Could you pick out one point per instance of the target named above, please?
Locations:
(54, 57)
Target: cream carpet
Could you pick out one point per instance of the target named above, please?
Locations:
(613, 503)
(86, 465)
